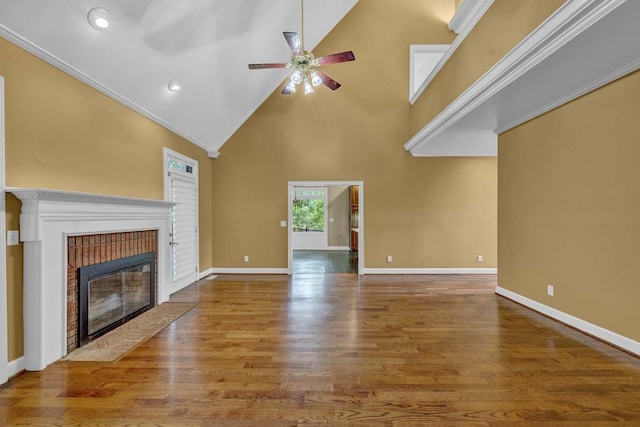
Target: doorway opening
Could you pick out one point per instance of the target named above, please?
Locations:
(324, 232)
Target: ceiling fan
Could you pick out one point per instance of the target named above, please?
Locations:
(305, 64)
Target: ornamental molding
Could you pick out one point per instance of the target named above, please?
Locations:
(572, 19)
(469, 13)
(61, 196)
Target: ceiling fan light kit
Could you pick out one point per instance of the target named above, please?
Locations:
(304, 64)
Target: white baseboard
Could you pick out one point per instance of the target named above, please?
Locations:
(205, 273)
(250, 270)
(430, 271)
(15, 366)
(582, 325)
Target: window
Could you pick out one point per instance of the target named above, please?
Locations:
(308, 209)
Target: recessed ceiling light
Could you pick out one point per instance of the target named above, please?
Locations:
(98, 18)
(174, 85)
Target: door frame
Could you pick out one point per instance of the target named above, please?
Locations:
(167, 153)
(359, 184)
(4, 328)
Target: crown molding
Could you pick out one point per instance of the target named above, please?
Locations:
(469, 14)
(213, 154)
(569, 21)
(74, 72)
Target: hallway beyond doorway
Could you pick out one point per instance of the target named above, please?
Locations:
(324, 262)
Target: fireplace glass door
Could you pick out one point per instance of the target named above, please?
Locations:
(118, 295)
(114, 292)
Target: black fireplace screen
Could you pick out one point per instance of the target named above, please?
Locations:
(114, 292)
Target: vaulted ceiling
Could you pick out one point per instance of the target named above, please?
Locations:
(204, 44)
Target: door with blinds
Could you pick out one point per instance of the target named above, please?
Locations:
(181, 187)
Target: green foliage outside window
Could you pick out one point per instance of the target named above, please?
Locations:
(308, 215)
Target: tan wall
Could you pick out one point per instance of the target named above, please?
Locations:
(338, 209)
(438, 212)
(14, 283)
(62, 134)
(569, 208)
(504, 25)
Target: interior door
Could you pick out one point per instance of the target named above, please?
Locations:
(182, 189)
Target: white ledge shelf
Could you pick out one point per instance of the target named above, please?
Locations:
(584, 45)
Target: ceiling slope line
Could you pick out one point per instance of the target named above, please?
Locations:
(63, 66)
(571, 19)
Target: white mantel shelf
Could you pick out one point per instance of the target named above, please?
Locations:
(45, 194)
(48, 217)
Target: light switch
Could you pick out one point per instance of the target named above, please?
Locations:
(13, 237)
(283, 223)
(331, 220)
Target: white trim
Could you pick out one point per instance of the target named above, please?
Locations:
(468, 15)
(360, 185)
(47, 218)
(591, 86)
(67, 68)
(472, 13)
(217, 270)
(606, 335)
(16, 366)
(4, 332)
(203, 274)
(571, 19)
(213, 154)
(430, 271)
(417, 51)
(338, 248)
(167, 153)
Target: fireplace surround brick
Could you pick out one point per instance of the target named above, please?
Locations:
(86, 250)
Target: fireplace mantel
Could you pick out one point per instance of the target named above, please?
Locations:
(48, 217)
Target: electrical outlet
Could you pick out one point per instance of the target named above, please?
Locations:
(480, 259)
(246, 258)
(550, 290)
(331, 219)
(13, 237)
(389, 258)
(283, 223)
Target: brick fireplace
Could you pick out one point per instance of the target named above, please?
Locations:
(95, 249)
(97, 227)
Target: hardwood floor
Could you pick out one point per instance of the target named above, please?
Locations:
(341, 350)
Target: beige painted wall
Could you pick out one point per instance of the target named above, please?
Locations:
(569, 208)
(62, 134)
(438, 212)
(504, 25)
(338, 209)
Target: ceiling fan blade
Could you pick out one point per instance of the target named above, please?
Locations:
(261, 66)
(294, 42)
(328, 81)
(336, 57)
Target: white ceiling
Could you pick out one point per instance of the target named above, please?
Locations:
(204, 44)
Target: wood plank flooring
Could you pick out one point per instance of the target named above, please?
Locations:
(338, 350)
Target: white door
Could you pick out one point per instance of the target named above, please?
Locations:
(181, 186)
